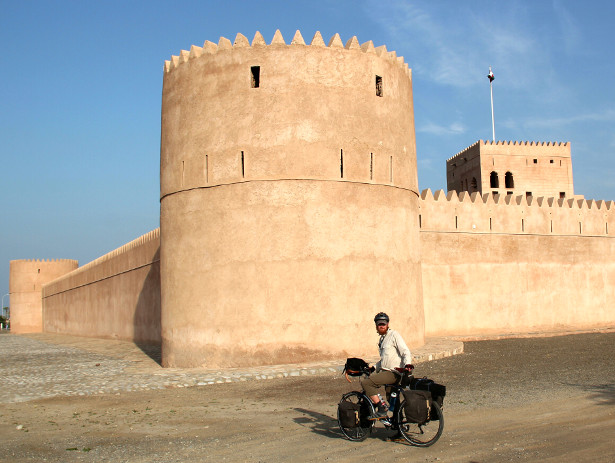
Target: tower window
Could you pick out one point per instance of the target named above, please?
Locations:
(535, 161)
(494, 181)
(508, 180)
(256, 76)
(378, 86)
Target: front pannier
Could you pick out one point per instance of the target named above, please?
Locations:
(417, 406)
(349, 414)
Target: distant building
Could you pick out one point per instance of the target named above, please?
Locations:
(512, 168)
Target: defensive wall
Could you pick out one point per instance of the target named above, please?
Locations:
(26, 280)
(511, 264)
(115, 296)
(290, 215)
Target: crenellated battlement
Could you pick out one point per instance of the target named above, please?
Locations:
(499, 143)
(258, 42)
(46, 260)
(515, 214)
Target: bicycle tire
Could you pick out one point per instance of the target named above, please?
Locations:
(425, 434)
(360, 432)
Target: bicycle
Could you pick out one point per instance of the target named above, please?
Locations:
(422, 434)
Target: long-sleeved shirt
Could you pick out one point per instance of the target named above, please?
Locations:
(394, 352)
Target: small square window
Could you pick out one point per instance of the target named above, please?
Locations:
(535, 161)
(551, 161)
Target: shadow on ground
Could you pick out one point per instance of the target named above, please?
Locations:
(319, 423)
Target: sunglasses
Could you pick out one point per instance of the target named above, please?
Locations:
(382, 324)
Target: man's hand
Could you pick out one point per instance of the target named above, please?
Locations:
(371, 369)
(409, 367)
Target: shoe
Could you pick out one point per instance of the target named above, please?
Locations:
(379, 413)
(396, 438)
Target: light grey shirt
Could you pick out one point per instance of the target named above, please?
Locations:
(394, 352)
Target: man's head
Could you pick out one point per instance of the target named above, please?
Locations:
(382, 323)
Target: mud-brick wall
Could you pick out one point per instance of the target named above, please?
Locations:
(512, 267)
(115, 296)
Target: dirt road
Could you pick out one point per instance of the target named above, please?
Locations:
(543, 399)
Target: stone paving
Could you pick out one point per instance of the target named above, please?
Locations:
(46, 365)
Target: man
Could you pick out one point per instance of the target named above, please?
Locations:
(394, 353)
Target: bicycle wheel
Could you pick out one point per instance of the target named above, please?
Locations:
(364, 426)
(421, 435)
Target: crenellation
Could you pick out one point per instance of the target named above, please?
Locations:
(382, 50)
(298, 39)
(277, 38)
(224, 44)
(317, 40)
(241, 41)
(195, 51)
(426, 194)
(258, 40)
(336, 42)
(368, 47)
(352, 44)
(184, 56)
(209, 47)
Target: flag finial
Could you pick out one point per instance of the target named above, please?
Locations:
(490, 75)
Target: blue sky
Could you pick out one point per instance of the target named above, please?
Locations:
(81, 90)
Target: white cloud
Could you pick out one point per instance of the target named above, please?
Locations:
(607, 115)
(435, 129)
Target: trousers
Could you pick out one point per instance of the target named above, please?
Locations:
(375, 381)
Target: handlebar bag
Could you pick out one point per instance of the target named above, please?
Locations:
(355, 366)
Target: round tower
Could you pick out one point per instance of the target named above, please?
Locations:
(289, 202)
(26, 280)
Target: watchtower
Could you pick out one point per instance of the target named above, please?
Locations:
(289, 201)
(517, 168)
(26, 279)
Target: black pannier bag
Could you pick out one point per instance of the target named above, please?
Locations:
(349, 413)
(438, 391)
(355, 366)
(417, 406)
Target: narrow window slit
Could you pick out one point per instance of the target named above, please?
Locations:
(341, 163)
(456, 223)
(183, 168)
(522, 225)
(378, 86)
(490, 226)
(256, 76)
(243, 167)
(391, 169)
(420, 221)
(371, 166)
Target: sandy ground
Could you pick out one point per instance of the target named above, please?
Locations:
(546, 399)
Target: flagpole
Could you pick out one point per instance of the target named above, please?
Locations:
(491, 86)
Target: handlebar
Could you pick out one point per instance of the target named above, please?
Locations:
(369, 370)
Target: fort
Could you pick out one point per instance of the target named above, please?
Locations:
(290, 213)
